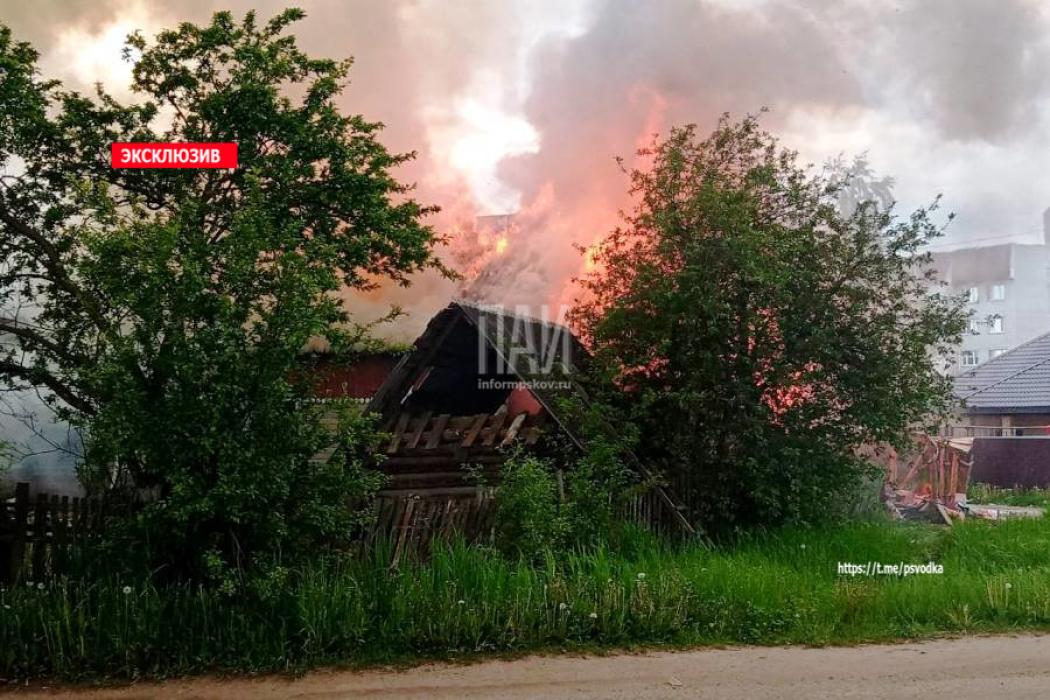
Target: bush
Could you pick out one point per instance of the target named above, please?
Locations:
(758, 334)
(570, 498)
(270, 510)
(529, 513)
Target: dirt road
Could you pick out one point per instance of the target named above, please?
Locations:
(1017, 668)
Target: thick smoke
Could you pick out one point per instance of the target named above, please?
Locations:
(638, 70)
(977, 69)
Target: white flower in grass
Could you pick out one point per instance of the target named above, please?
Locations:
(641, 575)
(127, 590)
(461, 602)
(1009, 585)
(7, 607)
(802, 546)
(562, 606)
(593, 616)
(40, 586)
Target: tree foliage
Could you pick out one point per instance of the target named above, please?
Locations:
(164, 310)
(569, 495)
(759, 332)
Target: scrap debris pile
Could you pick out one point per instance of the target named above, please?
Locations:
(927, 482)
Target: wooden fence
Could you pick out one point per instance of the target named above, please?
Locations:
(37, 535)
(413, 521)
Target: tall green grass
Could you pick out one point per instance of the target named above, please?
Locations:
(772, 589)
(986, 493)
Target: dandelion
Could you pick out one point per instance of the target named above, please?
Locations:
(803, 545)
(1009, 585)
(461, 602)
(40, 586)
(562, 606)
(127, 590)
(641, 575)
(593, 616)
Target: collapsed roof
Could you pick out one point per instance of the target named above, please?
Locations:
(473, 361)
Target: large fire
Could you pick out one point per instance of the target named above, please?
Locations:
(533, 256)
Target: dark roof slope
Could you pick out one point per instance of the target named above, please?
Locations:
(1018, 381)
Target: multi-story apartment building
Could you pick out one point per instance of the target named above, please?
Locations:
(1007, 288)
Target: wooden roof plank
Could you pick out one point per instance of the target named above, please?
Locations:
(512, 431)
(475, 430)
(434, 438)
(399, 428)
(495, 425)
(418, 432)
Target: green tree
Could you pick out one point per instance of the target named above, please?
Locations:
(759, 333)
(164, 310)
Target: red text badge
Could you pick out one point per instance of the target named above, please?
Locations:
(173, 155)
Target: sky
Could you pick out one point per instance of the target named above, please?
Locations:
(524, 105)
(516, 104)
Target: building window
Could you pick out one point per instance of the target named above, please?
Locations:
(998, 292)
(973, 295)
(969, 358)
(995, 352)
(995, 324)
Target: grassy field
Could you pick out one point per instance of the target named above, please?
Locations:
(780, 588)
(984, 493)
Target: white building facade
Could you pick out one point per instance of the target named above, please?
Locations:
(1007, 289)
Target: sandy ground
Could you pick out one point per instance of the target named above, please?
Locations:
(976, 667)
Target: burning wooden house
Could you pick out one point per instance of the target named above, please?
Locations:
(476, 383)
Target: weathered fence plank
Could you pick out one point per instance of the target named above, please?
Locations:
(37, 536)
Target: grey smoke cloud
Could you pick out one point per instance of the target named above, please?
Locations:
(40, 22)
(641, 68)
(977, 69)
